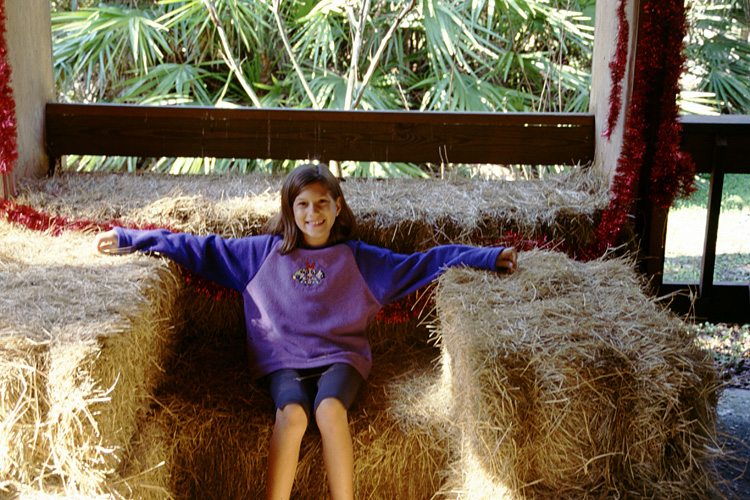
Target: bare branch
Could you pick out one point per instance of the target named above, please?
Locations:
(288, 47)
(354, 63)
(381, 49)
(226, 53)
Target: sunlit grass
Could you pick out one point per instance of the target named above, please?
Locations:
(686, 231)
(687, 228)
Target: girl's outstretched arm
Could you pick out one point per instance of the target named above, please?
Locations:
(231, 262)
(508, 260)
(390, 275)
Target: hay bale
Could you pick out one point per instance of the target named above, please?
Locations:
(32, 493)
(22, 407)
(61, 288)
(568, 380)
(405, 215)
(87, 342)
(144, 472)
(212, 452)
(58, 298)
(410, 215)
(396, 453)
(220, 450)
(199, 449)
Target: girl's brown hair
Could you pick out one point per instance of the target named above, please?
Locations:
(345, 226)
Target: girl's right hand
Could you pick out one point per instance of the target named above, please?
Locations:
(507, 260)
(107, 242)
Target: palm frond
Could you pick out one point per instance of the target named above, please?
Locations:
(461, 55)
(168, 83)
(102, 43)
(718, 51)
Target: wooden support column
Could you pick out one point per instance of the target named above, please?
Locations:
(608, 144)
(29, 38)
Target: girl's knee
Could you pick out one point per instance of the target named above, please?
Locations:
(292, 416)
(330, 410)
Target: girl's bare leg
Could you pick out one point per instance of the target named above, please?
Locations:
(290, 426)
(338, 455)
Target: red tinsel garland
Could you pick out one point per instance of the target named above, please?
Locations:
(617, 69)
(672, 173)
(651, 145)
(8, 148)
(41, 221)
(55, 225)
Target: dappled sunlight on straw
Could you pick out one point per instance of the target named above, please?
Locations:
(402, 214)
(473, 482)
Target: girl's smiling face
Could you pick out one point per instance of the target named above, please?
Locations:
(315, 212)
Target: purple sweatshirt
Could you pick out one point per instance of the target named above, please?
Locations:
(309, 308)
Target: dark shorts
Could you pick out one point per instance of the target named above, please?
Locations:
(311, 386)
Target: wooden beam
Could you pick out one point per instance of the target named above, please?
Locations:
(699, 138)
(395, 136)
(708, 263)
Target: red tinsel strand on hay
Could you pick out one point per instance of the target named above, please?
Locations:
(37, 220)
(41, 221)
(617, 68)
(408, 308)
(8, 133)
(55, 225)
(208, 287)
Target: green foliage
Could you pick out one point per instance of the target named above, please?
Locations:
(729, 344)
(718, 54)
(735, 193)
(500, 55)
(479, 55)
(94, 47)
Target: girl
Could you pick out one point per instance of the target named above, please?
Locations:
(309, 292)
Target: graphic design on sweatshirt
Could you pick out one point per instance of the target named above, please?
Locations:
(308, 275)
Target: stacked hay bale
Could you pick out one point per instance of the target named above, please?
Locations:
(160, 360)
(183, 419)
(404, 215)
(567, 380)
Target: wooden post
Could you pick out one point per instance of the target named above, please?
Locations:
(29, 38)
(608, 144)
(712, 222)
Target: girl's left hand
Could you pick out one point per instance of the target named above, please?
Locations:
(508, 260)
(106, 242)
